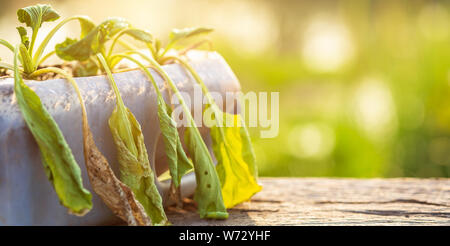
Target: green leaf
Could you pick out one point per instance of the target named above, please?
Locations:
(85, 68)
(180, 34)
(86, 25)
(26, 60)
(72, 49)
(110, 27)
(57, 158)
(179, 163)
(132, 154)
(208, 193)
(34, 16)
(92, 42)
(135, 169)
(236, 165)
(23, 36)
(7, 44)
(138, 34)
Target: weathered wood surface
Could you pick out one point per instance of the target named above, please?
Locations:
(323, 201)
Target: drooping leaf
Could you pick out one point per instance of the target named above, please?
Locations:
(34, 16)
(179, 164)
(135, 169)
(233, 150)
(57, 158)
(180, 34)
(115, 194)
(92, 42)
(236, 165)
(23, 36)
(132, 155)
(208, 193)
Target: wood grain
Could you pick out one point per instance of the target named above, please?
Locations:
(323, 201)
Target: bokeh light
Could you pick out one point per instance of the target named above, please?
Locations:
(311, 141)
(374, 109)
(327, 45)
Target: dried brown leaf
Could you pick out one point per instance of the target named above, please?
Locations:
(115, 194)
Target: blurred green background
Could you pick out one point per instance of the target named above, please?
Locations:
(364, 85)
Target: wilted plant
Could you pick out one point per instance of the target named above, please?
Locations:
(236, 165)
(135, 168)
(59, 163)
(58, 160)
(135, 198)
(208, 193)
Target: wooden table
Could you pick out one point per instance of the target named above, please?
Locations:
(325, 201)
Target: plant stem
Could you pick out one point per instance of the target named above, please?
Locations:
(114, 60)
(196, 77)
(127, 56)
(111, 80)
(152, 50)
(69, 78)
(33, 39)
(7, 66)
(11, 67)
(27, 64)
(44, 43)
(127, 45)
(115, 40)
(166, 49)
(46, 57)
(149, 75)
(120, 105)
(172, 86)
(211, 102)
(7, 44)
(196, 45)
